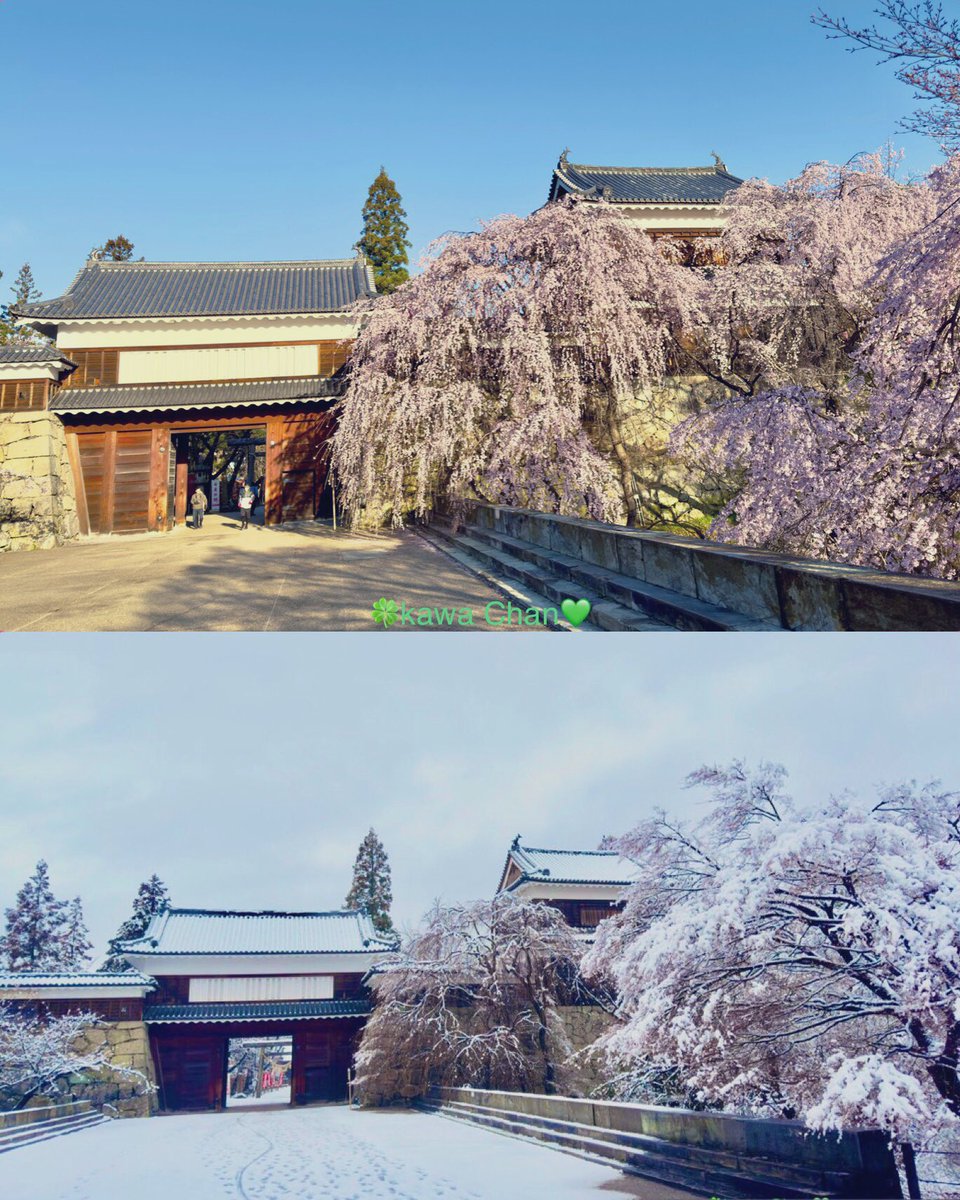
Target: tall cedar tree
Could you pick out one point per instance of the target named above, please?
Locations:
(149, 900)
(384, 238)
(371, 889)
(24, 291)
(44, 933)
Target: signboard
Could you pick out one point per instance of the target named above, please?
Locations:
(215, 495)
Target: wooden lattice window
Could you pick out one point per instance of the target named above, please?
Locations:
(591, 915)
(23, 393)
(95, 368)
(331, 356)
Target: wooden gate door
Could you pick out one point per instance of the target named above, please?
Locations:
(116, 469)
(319, 1066)
(192, 1072)
(92, 454)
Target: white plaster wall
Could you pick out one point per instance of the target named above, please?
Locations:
(203, 331)
(676, 217)
(16, 371)
(277, 987)
(190, 366)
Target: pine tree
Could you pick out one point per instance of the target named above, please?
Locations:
(384, 238)
(149, 900)
(115, 249)
(36, 926)
(371, 891)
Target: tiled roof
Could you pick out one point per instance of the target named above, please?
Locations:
(162, 396)
(213, 931)
(92, 979)
(571, 866)
(194, 289)
(644, 185)
(298, 1010)
(12, 353)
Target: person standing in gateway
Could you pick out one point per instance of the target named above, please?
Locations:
(198, 502)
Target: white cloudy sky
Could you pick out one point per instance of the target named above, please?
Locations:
(244, 770)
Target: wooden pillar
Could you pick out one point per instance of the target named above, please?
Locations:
(109, 479)
(79, 487)
(159, 478)
(273, 477)
(180, 487)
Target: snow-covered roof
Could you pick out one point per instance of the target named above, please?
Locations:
(196, 931)
(87, 979)
(536, 864)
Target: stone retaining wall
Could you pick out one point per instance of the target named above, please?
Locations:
(129, 1046)
(792, 593)
(38, 505)
(864, 1155)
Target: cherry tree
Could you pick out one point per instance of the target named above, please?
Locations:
(502, 372)
(42, 1056)
(857, 461)
(781, 959)
(470, 1000)
(924, 42)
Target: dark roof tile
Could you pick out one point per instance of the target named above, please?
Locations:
(153, 289)
(644, 185)
(166, 396)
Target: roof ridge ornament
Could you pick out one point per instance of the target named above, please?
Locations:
(718, 161)
(564, 157)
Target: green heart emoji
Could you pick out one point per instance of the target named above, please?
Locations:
(576, 611)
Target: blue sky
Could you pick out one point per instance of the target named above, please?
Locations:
(249, 130)
(245, 769)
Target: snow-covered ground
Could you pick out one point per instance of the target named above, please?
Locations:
(301, 1154)
(275, 1096)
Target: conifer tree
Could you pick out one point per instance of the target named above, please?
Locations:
(39, 927)
(371, 890)
(384, 238)
(149, 900)
(75, 943)
(115, 249)
(24, 289)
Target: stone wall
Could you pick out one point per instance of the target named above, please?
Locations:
(583, 1025)
(782, 592)
(129, 1046)
(38, 505)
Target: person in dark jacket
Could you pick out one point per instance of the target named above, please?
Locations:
(198, 502)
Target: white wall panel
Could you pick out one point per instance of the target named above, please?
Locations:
(230, 362)
(262, 987)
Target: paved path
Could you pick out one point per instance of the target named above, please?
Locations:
(221, 578)
(325, 1153)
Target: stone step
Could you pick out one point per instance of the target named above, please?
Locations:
(662, 604)
(707, 1171)
(535, 587)
(42, 1131)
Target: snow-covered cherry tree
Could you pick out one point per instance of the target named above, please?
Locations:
(778, 958)
(502, 371)
(470, 1000)
(42, 1056)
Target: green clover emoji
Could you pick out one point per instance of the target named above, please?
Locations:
(385, 611)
